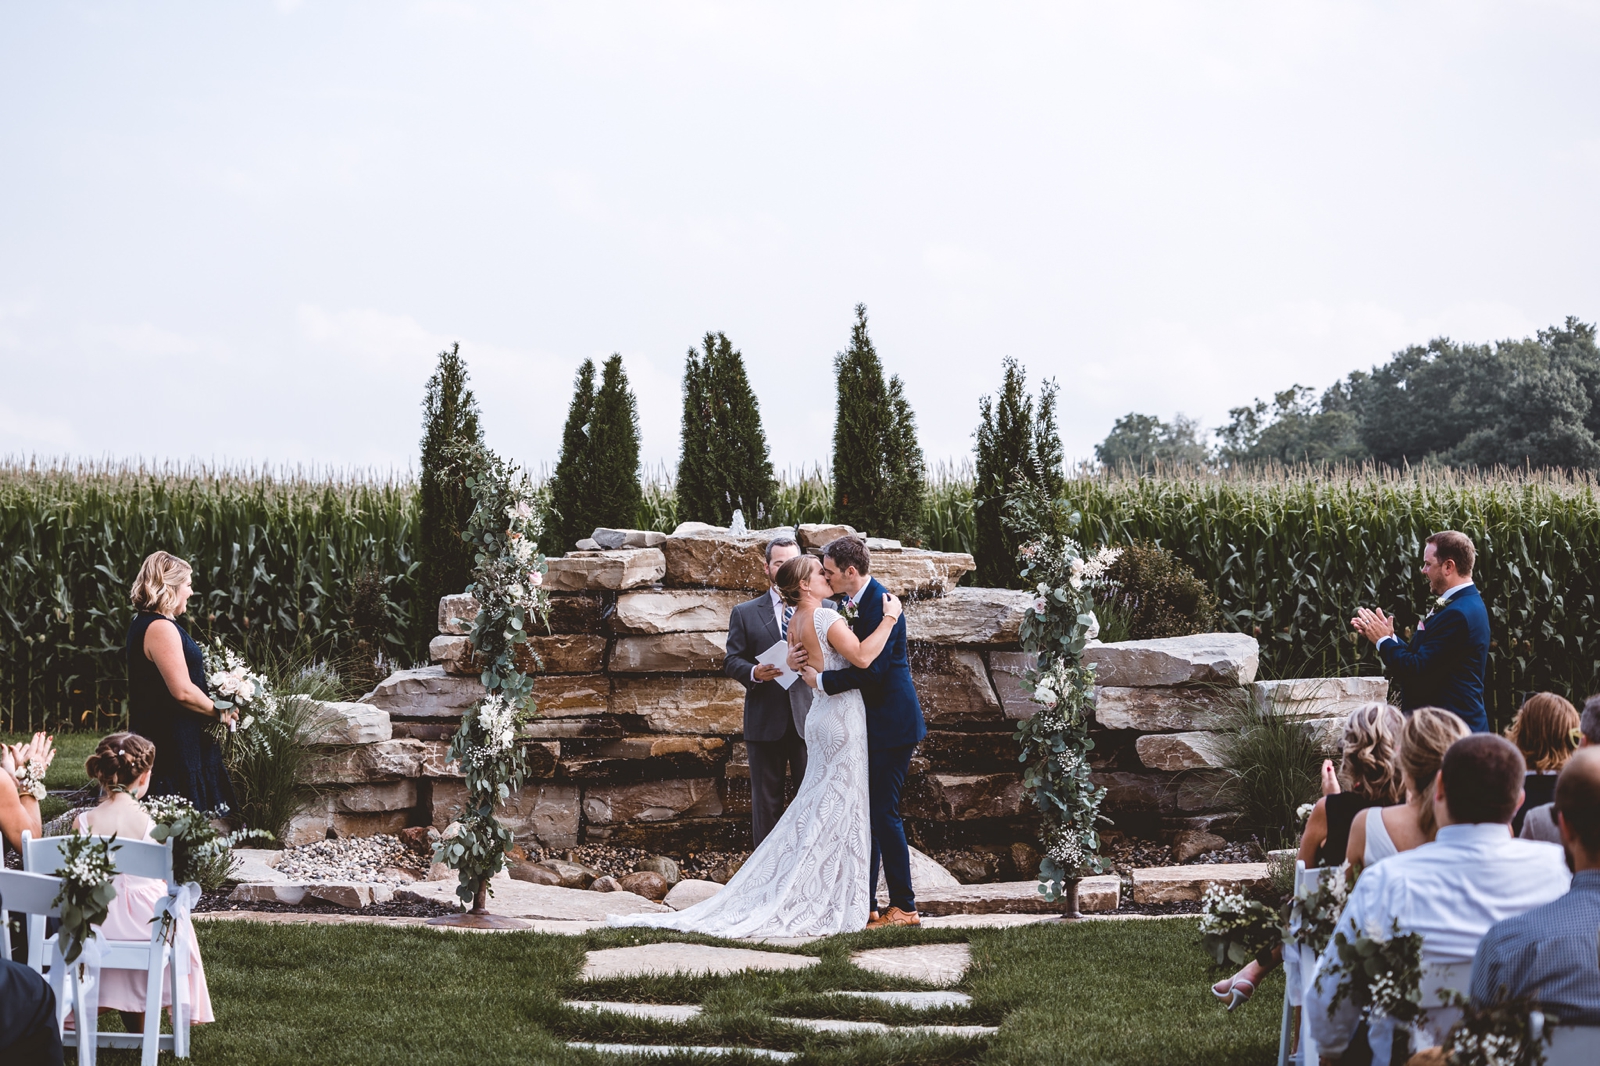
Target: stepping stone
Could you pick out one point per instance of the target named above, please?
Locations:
(668, 1049)
(1017, 897)
(986, 921)
(937, 964)
(691, 959)
(523, 899)
(661, 1012)
(915, 1000)
(1170, 884)
(839, 1025)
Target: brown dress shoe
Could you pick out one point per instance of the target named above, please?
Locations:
(895, 916)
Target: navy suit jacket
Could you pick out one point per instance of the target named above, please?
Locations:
(1443, 664)
(894, 717)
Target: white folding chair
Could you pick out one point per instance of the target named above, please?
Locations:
(34, 895)
(1299, 970)
(1572, 1045)
(165, 955)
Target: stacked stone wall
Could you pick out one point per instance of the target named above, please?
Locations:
(638, 739)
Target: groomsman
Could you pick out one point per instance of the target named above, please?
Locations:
(774, 719)
(1443, 664)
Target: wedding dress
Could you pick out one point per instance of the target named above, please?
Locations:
(809, 877)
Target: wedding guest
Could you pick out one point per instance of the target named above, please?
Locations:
(1474, 874)
(22, 770)
(122, 763)
(167, 699)
(1546, 731)
(1368, 774)
(1442, 665)
(1539, 823)
(1380, 832)
(1549, 952)
(28, 1034)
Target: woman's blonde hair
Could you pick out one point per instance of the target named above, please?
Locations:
(1370, 753)
(794, 574)
(156, 587)
(1545, 728)
(1427, 735)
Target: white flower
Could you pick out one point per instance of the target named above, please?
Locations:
(516, 592)
(1040, 605)
(535, 578)
(1045, 694)
(249, 720)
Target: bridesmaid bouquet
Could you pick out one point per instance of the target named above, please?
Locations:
(234, 686)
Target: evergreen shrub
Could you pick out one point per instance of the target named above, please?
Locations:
(724, 464)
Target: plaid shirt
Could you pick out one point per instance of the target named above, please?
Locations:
(1551, 952)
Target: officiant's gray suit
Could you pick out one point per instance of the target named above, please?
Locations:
(774, 719)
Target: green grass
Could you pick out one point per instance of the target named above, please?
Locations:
(1105, 992)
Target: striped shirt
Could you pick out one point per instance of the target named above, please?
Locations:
(1551, 952)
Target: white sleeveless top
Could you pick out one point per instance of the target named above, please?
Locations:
(1379, 844)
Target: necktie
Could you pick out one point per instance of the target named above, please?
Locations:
(783, 630)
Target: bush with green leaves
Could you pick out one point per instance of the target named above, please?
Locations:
(1151, 593)
(450, 419)
(878, 470)
(1017, 445)
(596, 481)
(724, 465)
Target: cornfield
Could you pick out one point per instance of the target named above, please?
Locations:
(1290, 553)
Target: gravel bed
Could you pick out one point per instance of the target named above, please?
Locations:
(398, 908)
(380, 860)
(615, 861)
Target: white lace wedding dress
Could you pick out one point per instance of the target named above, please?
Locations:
(809, 877)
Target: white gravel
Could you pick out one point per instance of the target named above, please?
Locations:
(355, 859)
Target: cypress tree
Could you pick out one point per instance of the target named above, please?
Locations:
(597, 477)
(877, 462)
(1016, 443)
(724, 463)
(450, 420)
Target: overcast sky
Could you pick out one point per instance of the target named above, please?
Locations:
(242, 232)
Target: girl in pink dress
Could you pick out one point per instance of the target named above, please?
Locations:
(122, 765)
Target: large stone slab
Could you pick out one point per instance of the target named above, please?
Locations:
(1189, 793)
(968, 616)
(1006, 669)
(652, 801)
(318, 820)
(382, 796)
(572, 696)
(814, 535)
(694, 705)
(1181, 751)
(350, 723)
(610, 571)
(914, 1000)
(920, 573)
(952, 685)
(702, 556)
(632, 758)
(1097, 894)
(522, 899)
(660, 1050)
(936, 964)
(660, 1012)
(425, 692)
(963, 797)
(1212, 658)
(1171, 884)
(383, 761)
(669, 653)
(545, 813)
(845, 1025)
(558, 653)
(1318, 697)
(613, 539)
(670, 959)
(675, 611)
(456, 613)
(1168, 709)
(689, 891)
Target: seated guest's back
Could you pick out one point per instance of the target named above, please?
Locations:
(1379, 832)
(1368, 776)
(1539, 822)
(1545, 731)
(1553, 952)
(1473, 875)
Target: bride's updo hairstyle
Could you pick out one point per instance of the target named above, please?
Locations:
(794, 574)
(120, 759)
(156, 587)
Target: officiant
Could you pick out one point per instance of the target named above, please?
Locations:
(1443, 663)
(774, 706)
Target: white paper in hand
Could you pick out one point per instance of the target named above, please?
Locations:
(778, 655)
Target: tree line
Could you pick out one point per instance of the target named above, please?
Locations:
(1533, 402)
(878, 473)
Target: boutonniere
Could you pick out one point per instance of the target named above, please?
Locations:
(850, 611)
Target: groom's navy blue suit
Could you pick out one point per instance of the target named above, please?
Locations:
(894, 727)
(1443, 663)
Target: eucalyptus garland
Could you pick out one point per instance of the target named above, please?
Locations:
(1055, 742)
(508, 579)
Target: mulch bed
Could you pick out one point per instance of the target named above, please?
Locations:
(398, 908)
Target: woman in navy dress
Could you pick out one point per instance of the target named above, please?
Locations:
(167, 699)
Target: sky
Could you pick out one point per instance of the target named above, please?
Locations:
(241, 233)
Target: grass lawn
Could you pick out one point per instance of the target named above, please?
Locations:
(1103, 992)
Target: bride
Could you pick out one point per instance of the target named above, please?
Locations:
(809, 877)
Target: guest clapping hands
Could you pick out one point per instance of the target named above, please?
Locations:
(22, 770)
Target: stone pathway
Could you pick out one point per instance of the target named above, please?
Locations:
(660, 1012)
(669, 958)
(936, 964)
(915, 1000)
(522, 899)
(670, 1049)
(840, 1025)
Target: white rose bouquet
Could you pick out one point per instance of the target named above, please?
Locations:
(235, 686)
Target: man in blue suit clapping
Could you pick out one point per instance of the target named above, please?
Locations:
(1443, 664)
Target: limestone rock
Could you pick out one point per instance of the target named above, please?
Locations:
(562, 653)
(320, 820)
(456, 613)
(920, 573)
(675, 611)
(571, 874)
(1318, 697)
(682, 705)
(883, 544)
(586, 544)
(1214, 658)
(1095, 895)
(1170, 884)
(606, 884)
(352, 894)
(700, 556)
(425, 692)
(545, 814)
(629, 568)
(952, 685)
(257, 865)
(693, 959)
(962, 797)
(534, 873)
(350, 723)
(688, 892)
(575, 612)
(387, 796)
(968, 616)
(646, 883)
(1007, 668)
(634, 757)
(1190, 793)
(1326, 733)
(520, 899)
(937, 964)
(571, 696)
(383, 761)
(927, 877)
(667, 868)
(670, 653)
(652, 801)
(1181, 751)
(612, 539)
(1162, 708)
(1192, 843)
(282, 891)
(814, 535)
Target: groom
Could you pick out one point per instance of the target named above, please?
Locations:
(894, 721)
